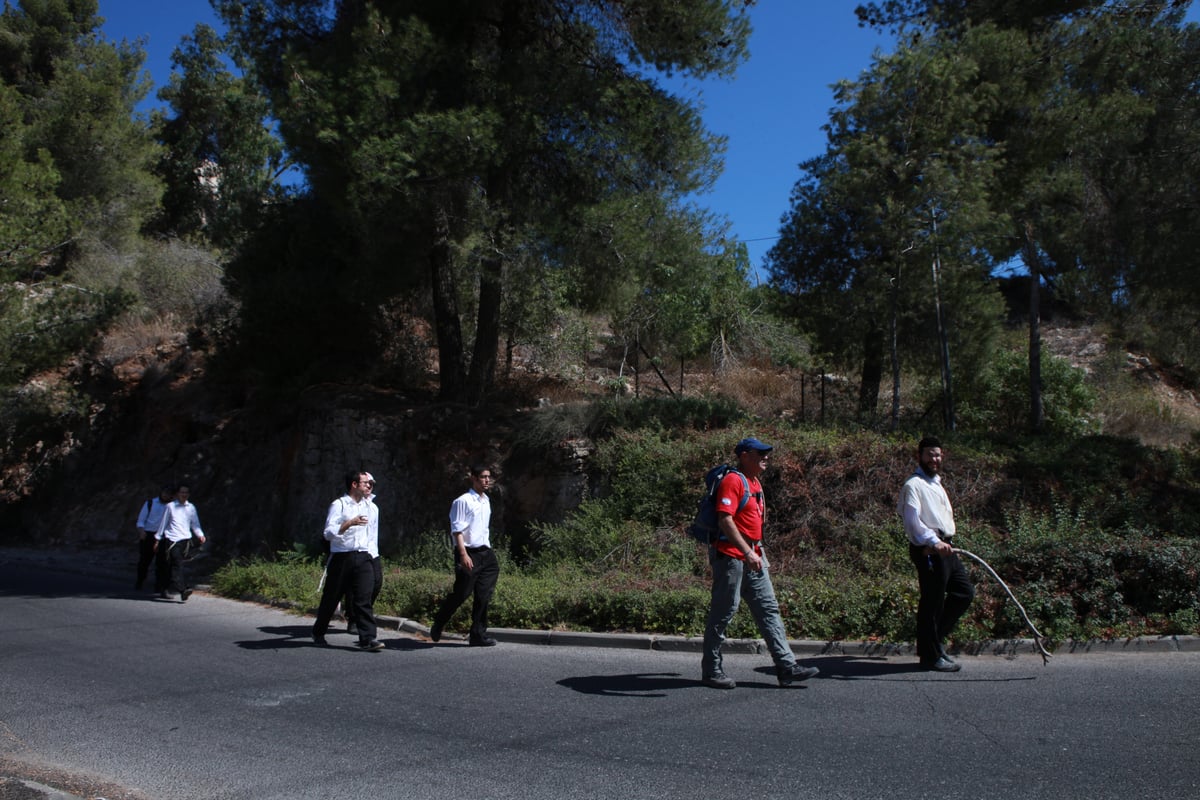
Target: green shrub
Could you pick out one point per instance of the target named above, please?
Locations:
(998, 398)
(292, 579)
(1054, 516)
(665, 413)
(426, 550)
(595, 538)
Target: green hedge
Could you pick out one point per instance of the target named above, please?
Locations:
(1095, 535)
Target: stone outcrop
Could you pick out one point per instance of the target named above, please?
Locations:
(263, 472)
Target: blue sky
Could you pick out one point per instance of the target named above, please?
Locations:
(772, 112)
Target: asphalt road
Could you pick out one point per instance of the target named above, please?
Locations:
(215, 699)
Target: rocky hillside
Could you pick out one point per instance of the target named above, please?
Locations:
(263, 471)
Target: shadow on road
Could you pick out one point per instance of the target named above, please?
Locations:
(849, 668)
(647, 684)
(854, 668)
(294, 636)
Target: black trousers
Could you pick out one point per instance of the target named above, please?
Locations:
(348, 599)
(145, 557)
(168, 574)
(946, 593)
(479, 581)
(349, 574)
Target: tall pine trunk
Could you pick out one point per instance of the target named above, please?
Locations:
(487, 329)
(447, 326)
(872, 374)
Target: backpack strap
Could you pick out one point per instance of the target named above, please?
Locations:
(745, 490)
(741, 503)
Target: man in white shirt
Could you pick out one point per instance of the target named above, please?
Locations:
(475, 567)
(352, 530)
(147, 526)
(179, 524)
(946, 591)
(376, 566)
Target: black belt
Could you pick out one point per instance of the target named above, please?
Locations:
(478, 549)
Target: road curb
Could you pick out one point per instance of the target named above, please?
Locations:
(1004, 648)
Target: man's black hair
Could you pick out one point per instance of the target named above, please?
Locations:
(479, 469)
(929, 441)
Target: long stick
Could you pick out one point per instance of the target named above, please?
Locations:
(1037, 636)
(324, 574)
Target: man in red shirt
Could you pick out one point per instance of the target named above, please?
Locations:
(740, 570)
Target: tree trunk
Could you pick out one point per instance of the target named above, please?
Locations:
(451, 369)
(943, 339)
(487, 329)
(872, 374)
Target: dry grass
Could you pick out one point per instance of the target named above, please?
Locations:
(133, 336)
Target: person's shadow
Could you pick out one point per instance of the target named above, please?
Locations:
(841, 668)
(648, 684)
(868, 668)
(295, 636)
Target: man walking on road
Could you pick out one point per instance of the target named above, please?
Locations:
(179, 524)
(946, 591)
(352, 530)
(476, 570)
(147, 525)
(740, 570)
(376, 566)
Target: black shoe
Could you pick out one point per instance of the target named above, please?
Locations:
(319, 640)
(943, 664)
(435, 632)
(352, 629)
(184, 595)
(370, 645)
(719, 680)
(484, 641)
(794, 672)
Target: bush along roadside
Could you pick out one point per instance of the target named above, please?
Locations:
(1096, 537)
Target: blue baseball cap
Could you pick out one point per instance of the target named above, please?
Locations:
(751, 444)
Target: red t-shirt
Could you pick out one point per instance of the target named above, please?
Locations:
(749, 520)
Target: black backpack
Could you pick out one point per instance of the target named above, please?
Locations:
(704, 526)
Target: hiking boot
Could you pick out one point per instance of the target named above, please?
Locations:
(719, 680)
(184, 595)
(370, 645)
(483, 641)
(352, 629)
(319, 640)
(794, 672)
(435, 632)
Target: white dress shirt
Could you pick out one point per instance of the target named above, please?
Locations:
(151, 515)
(179, 522)
(364, 538)
(471, 515)
(925, 509)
